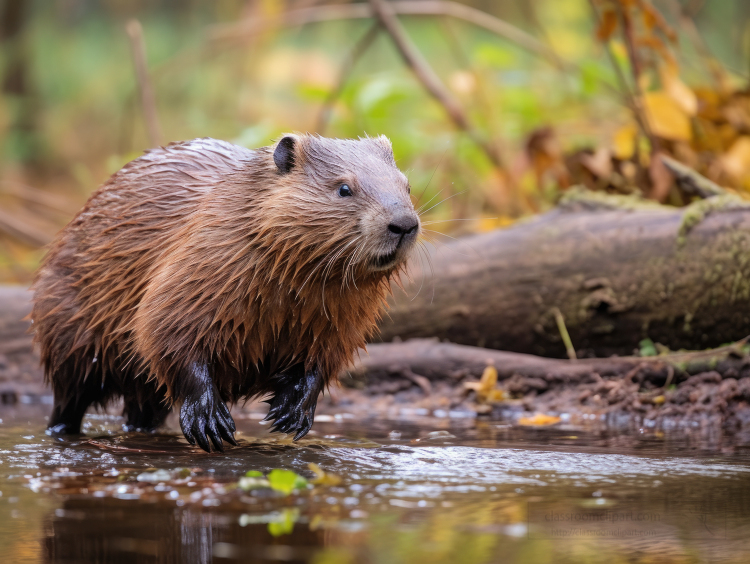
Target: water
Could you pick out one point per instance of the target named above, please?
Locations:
(422, 490)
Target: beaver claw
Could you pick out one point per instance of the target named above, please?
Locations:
(293, 405)
(204, 416)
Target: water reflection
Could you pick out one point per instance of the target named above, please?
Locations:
(473, 493)
(112, 530)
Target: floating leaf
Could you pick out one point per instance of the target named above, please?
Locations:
(285, 481)
(253, 483)
(539, 420)
(323, 478)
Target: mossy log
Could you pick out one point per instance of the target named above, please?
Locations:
(680, 277)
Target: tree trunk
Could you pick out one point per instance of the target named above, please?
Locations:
(617, 277)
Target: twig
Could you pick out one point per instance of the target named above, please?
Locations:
(691, 181)
(421, 381)
(300, 17)
(32, 195)
(426, 75)
(21, 230)
(560, 320)
(360, 48)
(148, 102)
(631, 97)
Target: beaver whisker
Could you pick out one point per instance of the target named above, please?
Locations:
(420, 213)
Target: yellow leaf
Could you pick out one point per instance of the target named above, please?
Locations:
(538, 420)
(495, 396)
(624, 142)
(323, 478)
(678, 90)
(485, 388)
(665, 117)
(736, 161)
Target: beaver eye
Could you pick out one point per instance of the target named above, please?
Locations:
(345, 191)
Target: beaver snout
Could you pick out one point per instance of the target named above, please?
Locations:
(403, 227)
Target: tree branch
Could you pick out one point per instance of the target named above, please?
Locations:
(294, 18)
(427, 76)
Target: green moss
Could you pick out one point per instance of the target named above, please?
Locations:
(579, 197)
(698, 210)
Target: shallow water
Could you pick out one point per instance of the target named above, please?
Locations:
(433, 490)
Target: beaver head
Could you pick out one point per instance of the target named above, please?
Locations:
(352, 198)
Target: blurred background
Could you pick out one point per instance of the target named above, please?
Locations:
(495, 109)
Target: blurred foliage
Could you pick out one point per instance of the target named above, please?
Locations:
(70, 111)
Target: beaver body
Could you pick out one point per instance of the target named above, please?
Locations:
(203, 273)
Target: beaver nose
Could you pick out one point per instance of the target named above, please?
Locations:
(403, 225)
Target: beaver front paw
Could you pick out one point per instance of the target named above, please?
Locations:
(204, 415)
(293, 404)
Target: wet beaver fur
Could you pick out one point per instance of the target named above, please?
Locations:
(203, 273)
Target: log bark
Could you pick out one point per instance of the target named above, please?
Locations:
(617, 276)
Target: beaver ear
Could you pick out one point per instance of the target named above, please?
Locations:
(386, 147)
(283, 154)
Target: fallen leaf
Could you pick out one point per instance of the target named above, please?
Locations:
(736, 161)
(485, 388)
(599, 164)
(678, 90)
(665, 117)
(624, 142)
(323, 478)
(538, 420)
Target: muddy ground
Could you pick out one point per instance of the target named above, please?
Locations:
(711, 402)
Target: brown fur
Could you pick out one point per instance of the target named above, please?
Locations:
(207, 252)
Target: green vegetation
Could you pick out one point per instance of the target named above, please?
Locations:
(548, 121)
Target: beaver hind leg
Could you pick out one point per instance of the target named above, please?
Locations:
(203, 414)
(73, 397)
(147, 410)
(293, 404)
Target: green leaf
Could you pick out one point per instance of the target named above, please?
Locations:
(647, 348)
(254, 474)
(285, 481)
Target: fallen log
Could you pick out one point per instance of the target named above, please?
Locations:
(436, 361)
(680, 277)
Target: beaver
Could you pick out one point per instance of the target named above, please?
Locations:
(203, 273)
